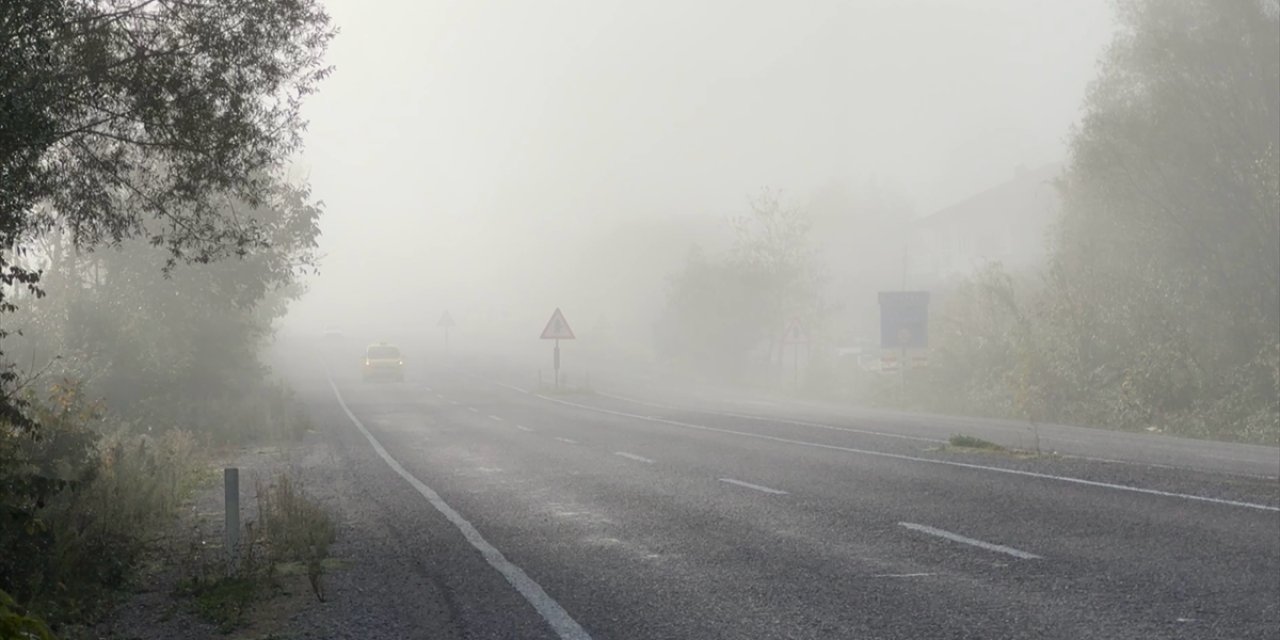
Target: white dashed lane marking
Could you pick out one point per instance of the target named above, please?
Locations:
(757, 487)
(955, 537)
(632, 456)
(933, 461)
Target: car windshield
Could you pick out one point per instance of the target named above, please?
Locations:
(382, 353)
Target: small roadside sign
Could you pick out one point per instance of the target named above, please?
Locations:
(557, 328)
(446, 322)
(795, 333)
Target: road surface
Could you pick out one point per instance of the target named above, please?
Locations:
(494, 511)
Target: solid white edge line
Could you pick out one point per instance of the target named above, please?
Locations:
(798, 423)
(955, 537)
(754, 486)
(560, 621)
(898, 456)
(632, 456)
(819, 425)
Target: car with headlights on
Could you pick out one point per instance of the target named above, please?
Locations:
(383, 361)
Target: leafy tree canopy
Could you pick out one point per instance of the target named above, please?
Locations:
(151, 119)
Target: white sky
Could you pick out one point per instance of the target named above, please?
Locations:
(462, 146)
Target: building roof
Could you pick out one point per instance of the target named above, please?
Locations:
(1029, 195)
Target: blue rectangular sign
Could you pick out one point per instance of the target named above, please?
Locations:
(904, 319)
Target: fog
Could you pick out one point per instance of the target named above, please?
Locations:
(931, 306)
(501, 159)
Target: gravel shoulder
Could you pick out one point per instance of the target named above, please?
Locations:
(376, 582)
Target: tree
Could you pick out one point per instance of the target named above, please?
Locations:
(720, 309)
(176, 350)
(1168, 253)
(774, 253)
(1160, 307)
(711, 319)
(151, 119)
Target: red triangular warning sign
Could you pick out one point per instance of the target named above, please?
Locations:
(557, 328)
(795, 333)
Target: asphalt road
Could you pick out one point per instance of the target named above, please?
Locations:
(645, 513)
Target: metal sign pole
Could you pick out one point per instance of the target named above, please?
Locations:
(902, 373)
(795, 363)
(557, 363)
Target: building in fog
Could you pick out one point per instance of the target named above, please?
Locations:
(1008, 223)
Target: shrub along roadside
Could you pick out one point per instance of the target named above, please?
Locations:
(15, 623)
(296, 529)
(81, 504)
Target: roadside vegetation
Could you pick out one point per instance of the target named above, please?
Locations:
(1158, 308)
(140, 377)
(961, 441)
(99, 493)
(148, 238)
(291, 536)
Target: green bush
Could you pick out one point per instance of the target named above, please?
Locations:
(79, 504)
(15, 623)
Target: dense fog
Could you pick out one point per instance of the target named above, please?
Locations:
(499, 160)
(646, 319)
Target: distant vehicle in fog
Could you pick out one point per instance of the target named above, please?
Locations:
(332, 335)
(383, 361)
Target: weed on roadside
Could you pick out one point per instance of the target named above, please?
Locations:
(961, 441)
(223, 590)
(291, 535)
(297, 529)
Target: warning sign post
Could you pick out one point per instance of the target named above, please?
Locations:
(557, 329)
(446, 322)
